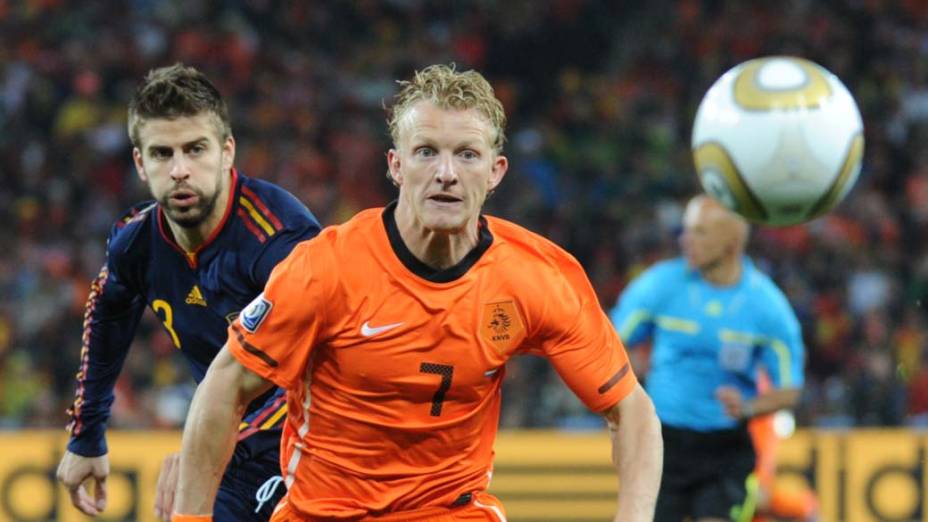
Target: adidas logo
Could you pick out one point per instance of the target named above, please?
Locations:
(195, 297)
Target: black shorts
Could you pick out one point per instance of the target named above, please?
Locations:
(251, 485)
(704, 473)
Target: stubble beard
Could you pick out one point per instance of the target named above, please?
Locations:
(191, 217)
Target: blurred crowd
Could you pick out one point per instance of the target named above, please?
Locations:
(601, 96)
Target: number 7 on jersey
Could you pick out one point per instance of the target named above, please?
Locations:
(446, 371)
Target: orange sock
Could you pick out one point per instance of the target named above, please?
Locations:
(793, 503)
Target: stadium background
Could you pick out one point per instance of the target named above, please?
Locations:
(600, 96)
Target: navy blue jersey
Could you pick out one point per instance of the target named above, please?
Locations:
(194, 295)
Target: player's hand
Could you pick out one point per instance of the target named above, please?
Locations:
(167, 483)
(74, 471)
(731, 400)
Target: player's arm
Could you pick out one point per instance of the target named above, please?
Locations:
(270, 343)
(768, 402)
(210, 431)
(637, 453)
(111, 316)
(586, 352)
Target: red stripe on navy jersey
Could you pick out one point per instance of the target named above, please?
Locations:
(96, 289)
(134, 215)
(251, 226)
(169, 239)
(263, 208)
(191, 257)
(255, 424)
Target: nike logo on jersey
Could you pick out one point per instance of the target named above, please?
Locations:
(369, 331)
(195, 297)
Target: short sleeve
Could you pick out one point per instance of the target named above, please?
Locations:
(783, 353)
(581, 344)
(275, 334)
(633, 315)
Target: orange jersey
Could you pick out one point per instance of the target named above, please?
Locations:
(393, 371)
(482, 508)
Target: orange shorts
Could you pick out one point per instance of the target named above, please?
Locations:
(484, 508)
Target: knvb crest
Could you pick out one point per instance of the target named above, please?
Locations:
(501, 325)
(500, 322)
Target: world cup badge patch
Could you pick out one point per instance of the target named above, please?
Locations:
(502, 325)
(253, 314)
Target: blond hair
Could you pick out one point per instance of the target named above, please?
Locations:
(448, 88)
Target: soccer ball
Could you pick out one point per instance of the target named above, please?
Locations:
(778, 140)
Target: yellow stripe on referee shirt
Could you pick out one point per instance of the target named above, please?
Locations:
(636, 318)
(785, 359)
(259, 219)
(677, 324)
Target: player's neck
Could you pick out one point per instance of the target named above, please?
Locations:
(191, 238)
(439, 250)
(725, 272)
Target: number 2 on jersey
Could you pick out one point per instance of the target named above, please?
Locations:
(446, 371)
(159, 305)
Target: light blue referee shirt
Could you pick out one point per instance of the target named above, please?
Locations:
(705, 336)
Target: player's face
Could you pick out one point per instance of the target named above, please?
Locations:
(185, 165)
(445, 164)
(705, 240)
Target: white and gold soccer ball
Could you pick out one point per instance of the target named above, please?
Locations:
(778, 140)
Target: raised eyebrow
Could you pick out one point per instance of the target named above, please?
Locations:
(198, 141)
(472, 146)
(422, 141)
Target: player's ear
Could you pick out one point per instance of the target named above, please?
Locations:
(393, 167)
(734, 246)
(499, 169)
(139, 166)
(228, 153)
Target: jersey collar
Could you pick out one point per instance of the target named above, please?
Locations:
(414, 265)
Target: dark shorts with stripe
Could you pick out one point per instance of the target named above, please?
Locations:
(251, 486)
(704, 473)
